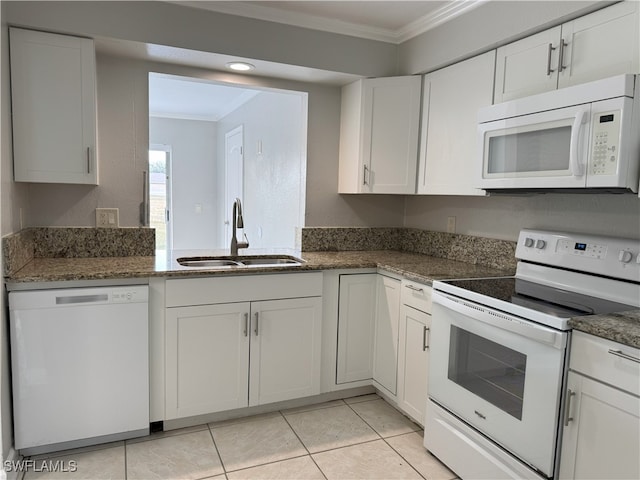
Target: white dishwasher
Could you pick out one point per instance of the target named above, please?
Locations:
(80, 366)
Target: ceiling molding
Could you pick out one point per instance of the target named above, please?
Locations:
(272, 14)
(436, 18)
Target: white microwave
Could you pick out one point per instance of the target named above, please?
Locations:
(581, 137)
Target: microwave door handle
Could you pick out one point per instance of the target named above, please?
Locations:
(574, 160)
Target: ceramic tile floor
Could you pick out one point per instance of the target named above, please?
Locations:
(356, 438)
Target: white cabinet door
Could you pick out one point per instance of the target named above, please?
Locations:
(54, 108)
(602, 437)
(527, 66)
(356, 314)
(385, 352)
(285, 349)
(379, 129)
(448, 151)
(207, 359)
(600, 45)
(413, 361)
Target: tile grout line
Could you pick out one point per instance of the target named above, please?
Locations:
(391, 436)
(302, 443)
(215, 445)
(126, 471)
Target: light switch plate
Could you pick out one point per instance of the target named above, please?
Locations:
(107, 217)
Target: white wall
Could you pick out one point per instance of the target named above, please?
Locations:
(274, 180)
(193, 179)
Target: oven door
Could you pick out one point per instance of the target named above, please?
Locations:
(539, 150)
(500, 374)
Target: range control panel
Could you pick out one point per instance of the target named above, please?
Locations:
(608, 256)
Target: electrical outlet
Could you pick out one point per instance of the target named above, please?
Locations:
(107, 217)
(451, 224)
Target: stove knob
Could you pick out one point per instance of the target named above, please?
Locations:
(528, 242)
(540, 244)
(625, 256)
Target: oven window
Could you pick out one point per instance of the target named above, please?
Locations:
(487, 369)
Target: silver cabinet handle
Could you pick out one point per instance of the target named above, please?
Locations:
(257, 315)
(561, 66)
(621, 354)
(88, 159)
(567, 407)
(364, 175)
(425, 345)
(551, 49)
(415, 289)
(246, 324)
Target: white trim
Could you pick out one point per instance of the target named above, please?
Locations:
(271, 14)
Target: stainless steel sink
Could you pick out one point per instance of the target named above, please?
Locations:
(266, 260)
(207, 262)
(241, 261)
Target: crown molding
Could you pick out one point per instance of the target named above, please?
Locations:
(271, 14)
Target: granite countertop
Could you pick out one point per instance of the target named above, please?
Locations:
(623, 327)
(417, 267)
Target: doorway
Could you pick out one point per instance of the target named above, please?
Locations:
(233, 176)
(160, 194)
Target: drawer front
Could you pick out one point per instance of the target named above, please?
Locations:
(416, 295)
(227, 289)
(605, 361)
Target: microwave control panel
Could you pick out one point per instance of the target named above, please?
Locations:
(604, 145)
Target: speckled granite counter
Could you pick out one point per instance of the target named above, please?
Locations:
(623, 327)
(418, 267)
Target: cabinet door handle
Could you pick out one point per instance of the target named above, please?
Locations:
(257, 315)
(621, 354)
(246, 324)
(549, 70)
(563, 45)
(567, 407)
(88, 159)
(364, 175)
(415, 289)
(425, 345)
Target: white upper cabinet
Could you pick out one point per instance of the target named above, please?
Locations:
(379, 129)
(602, 44)
(54, 108)
(449, 126)
(528, 66)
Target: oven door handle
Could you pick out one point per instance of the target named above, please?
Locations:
(501, 320)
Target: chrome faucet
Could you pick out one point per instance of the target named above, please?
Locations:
(238, 222)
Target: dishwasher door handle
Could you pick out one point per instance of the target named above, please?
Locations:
(74, 299)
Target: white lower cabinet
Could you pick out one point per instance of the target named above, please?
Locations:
(385, 347)
(413, 362)
(232, 355)
(601, 437)
(356, 314)
(413, 349)
(285, 350)
(207, 359)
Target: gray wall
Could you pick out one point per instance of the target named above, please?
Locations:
(503, 216)
(164, 23)
(193, 178)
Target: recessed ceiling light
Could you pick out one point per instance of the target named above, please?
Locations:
(240, 66)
